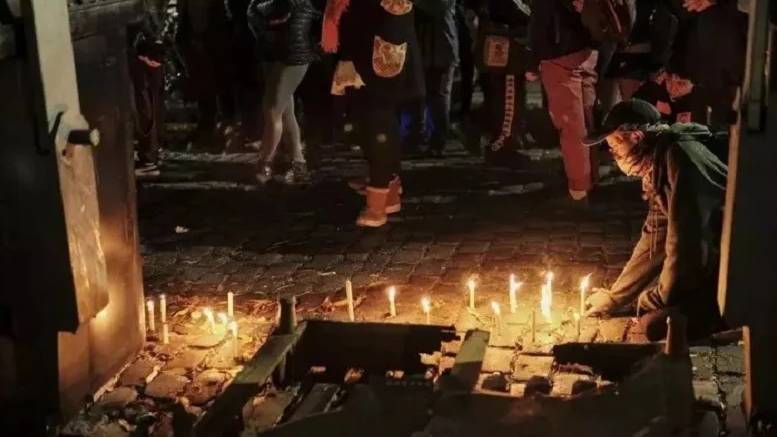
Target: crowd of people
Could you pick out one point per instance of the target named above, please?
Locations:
(654, 79)
(280, 74)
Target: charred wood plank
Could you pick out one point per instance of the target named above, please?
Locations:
(225, 415)
(611, 360)
(469, 361)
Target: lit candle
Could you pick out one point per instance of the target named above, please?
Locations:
(584, 283)
(163, 308)
(151, 315)
(211, 320)
(235, 339)
(426, 306)
(497, 315)
(514, 287)
(533, 325)
(165, 334)
(578, 322)
(349, 298)
(392, 295)
(549, 280)
(231, 304)
(471, 285)
(546, 302)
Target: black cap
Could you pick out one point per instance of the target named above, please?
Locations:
(635, 111)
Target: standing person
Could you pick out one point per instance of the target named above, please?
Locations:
(563, 48)
(675, 263)
(380, 67)
(284, 32)
(627, 66)
(438, 38)
(205, 37)
(147, 73)
(504, 59)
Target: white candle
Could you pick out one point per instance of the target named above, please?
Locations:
(546, 302)
(211, 320)
(235, 339)
(392, 295)
(497, 316)
(584, 283)
(578, 322)
(471, 285)
(163, 308)
(349, 299)
(533, 325)
(224, 320)
(165, 334)
(231, 304)
(514, 287)
(151, 315)
(426, 306)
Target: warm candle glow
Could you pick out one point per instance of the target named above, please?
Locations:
(231, 304)
(578, 323)
(165, 334)
(235, 339)
(211, 320)
(584, 284)
(392, 295)
(514, 287)
(223, 319)
(349, 300)
(497, 316)
(163, 308)
(496, 308)
(471, 284)
(426, 306)
(151, 315)
(546, 302)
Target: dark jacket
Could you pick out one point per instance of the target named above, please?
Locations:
(691, 108)
(675, 262)
(286, 30)
(650, 44)
(555, 30)
(373, 39)
(437, 33)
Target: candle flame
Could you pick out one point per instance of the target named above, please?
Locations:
(496, 308)
(392, 293)
(546, 302)
(223, 318)
(515, 285)
(576, 315)
(585, 282)
(471, 284)
(426, 305)
(150, 303)
(549, 278)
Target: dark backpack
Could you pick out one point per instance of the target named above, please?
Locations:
(609, 20)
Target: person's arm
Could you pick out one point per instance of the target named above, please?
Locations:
(645, 263)
(540, 26)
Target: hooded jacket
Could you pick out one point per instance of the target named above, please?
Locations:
(676, 260)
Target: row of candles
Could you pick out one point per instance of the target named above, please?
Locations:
(546, 301)
(228, 319)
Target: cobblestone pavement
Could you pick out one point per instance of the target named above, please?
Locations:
(207, 229)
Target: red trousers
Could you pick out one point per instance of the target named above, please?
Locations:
(569, 82)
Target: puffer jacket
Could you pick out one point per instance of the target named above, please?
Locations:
(285, 30)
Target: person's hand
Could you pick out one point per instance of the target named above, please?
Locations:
(531, 76)
(599, 303)
(697, 5)
(150, 62)
(578, 5)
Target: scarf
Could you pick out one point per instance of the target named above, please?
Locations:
(330, 30)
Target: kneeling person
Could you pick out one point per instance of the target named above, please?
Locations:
(675, 263)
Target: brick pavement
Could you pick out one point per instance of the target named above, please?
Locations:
(460, 220)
